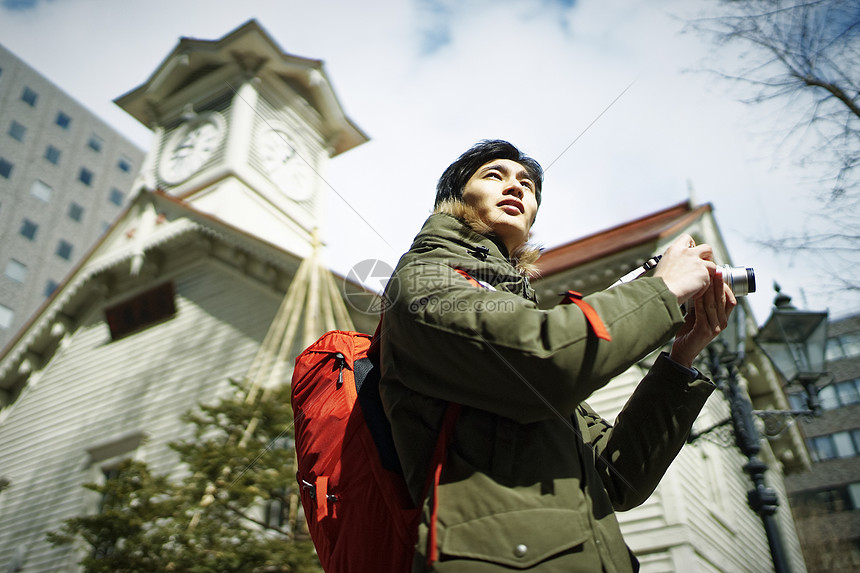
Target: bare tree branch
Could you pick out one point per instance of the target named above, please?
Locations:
(806, 55)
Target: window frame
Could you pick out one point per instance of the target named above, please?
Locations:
(7, 317)
(95, 143)
(86, 176)
(73, 210)
(116, 197)
(52, 154)
(41, 191)
(124, 164)
(63, 120)
(31, 227)
(140, 312)
(6, 168)
(64, 250)
(17, 131)
(16, 271)
(29, 96)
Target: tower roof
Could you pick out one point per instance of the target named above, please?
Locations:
(250, 51)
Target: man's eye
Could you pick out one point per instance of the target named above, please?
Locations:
(528, 184)
(494, 175)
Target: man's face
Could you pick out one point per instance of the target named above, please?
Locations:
(504, 195)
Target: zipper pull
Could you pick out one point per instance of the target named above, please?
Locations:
(341, 362)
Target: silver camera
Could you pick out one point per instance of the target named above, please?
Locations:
(741, 280)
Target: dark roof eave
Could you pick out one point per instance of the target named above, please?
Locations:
(642, 231)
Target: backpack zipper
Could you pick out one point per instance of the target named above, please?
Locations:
(341, 362)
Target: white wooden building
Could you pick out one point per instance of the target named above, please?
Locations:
(179, 294)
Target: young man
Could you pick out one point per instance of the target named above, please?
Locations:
(533, 475)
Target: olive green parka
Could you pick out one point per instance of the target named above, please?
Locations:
(533, 476)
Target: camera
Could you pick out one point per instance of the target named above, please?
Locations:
(741, 280)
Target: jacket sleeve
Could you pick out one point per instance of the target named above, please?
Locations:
(499, 352)
(632, 456)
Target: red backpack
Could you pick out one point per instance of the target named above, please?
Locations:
(359, 512)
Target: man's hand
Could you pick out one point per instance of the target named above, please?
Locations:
(708, 317)
(686, 268)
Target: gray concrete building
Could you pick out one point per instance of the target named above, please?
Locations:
(65, 176)
(826, 499)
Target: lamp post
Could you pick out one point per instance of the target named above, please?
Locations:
(794, 341)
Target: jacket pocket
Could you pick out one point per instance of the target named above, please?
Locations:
(517, 539)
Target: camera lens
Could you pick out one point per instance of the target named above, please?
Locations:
(741, 280)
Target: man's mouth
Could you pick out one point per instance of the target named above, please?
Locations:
(513, 203)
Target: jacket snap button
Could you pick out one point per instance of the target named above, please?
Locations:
(520, 550)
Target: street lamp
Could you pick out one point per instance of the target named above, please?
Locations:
(794, 341)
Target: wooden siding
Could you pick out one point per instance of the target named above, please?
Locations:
(94, 391)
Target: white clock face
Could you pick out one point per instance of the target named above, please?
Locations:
(191, 146)
(286, 163)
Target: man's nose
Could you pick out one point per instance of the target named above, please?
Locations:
(515, 188)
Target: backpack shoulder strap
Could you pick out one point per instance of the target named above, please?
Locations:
(440, 454)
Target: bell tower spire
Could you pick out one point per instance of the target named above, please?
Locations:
(243, 131)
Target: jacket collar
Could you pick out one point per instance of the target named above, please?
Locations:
(460, 223)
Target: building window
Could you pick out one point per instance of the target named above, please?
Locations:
(50, 287)
(7, 315)
(52, 154)
(836, 445)
(95, 143)
(822, 448)
(144, 310)
(16, 270)
(848, 392)
(116, 197)
(850, 344)
(835, 396)
(17, 131)
(41, 190)
(63, 120)
(832, 500)
(29, 97)
(85, 176)
(829, 399)
(845, 346)
(28, 229)
(76, 212)
(5, 168)
(797, 401)
(833, 349)
(854, 494)
(64, 249)
(124, 164)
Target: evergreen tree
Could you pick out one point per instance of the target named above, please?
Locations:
(235, 507)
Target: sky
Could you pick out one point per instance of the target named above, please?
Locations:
(605, 94)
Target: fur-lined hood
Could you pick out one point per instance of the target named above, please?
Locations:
(524, 258)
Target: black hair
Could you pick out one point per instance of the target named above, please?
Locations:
(455, 177)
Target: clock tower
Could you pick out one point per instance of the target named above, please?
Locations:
(244, 132)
